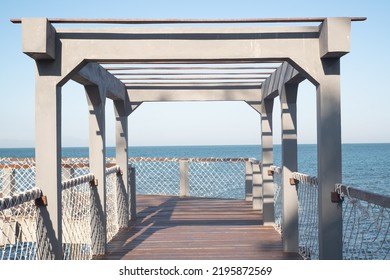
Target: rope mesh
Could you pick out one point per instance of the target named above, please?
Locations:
(307, 211)
(157, 176)
(18, 224)
(307, 215)
(278, 198)
(76, 218)
(218, 178)
(366, 225)
(112, 191)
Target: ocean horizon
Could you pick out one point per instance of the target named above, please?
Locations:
(365, 166)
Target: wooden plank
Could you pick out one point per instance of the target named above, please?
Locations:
(196, 228)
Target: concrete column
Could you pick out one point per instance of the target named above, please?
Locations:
(257, 188)
(132, 193)
(9, 182)
(48, 163)
(248, 181)
(288, 99)
(97, 162)
(267, 159)
(184, 190)
(329, 160)
(121, 149)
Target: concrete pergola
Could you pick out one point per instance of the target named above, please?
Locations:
(225, 62)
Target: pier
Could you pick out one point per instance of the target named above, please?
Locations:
(84, 208)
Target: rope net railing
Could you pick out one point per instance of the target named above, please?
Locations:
(76, 218)
(278, 198)
(19, 221)
(366, 224)
(307, 215)
(157, 175)
(112, 193)
(207, 177)
(307, 210)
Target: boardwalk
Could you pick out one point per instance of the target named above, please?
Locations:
(196, 228)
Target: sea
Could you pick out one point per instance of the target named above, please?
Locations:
(365, 166)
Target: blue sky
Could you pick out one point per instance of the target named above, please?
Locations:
(365, 72)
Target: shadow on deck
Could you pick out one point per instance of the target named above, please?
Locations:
(174, 228)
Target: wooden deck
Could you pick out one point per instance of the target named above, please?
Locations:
(196, 228)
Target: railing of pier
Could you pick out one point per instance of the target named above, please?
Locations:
(22, 235)
(199, 177)
(278, 198)
(19, 223)
(366, 224)
(366, 218)
(77, 211)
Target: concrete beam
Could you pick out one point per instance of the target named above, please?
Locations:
(335, 37)
(200, 94)
(283, 75)
(38, 38)
(94, 74)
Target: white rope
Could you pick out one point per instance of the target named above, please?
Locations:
(113, 169)
(77, 181)
(21, 198)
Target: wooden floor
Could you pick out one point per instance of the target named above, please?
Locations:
(196, 228)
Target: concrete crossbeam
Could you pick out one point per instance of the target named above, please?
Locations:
(93, 73)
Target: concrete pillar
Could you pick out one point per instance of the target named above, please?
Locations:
(9, 182)
(257, 188)
(184, 190)
(329, 160)
(48, 163)
(288, 99)
(248, 181)
(267, 161)
(97, 165)
(132, 193)
(121, 149)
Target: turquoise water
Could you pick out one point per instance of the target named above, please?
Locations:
(366, 166)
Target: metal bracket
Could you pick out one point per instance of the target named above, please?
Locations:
(41, 201)
(335, 197)
(94, 182)
(293, 182)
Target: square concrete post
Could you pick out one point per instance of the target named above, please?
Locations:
(248, 180)
(9, 182)
(267, 161)
(48, 165)
(257, 187)
(132, 194)
(329, 160)
(288, 99)
(121, 149)
(97, 166)
(184, 190)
